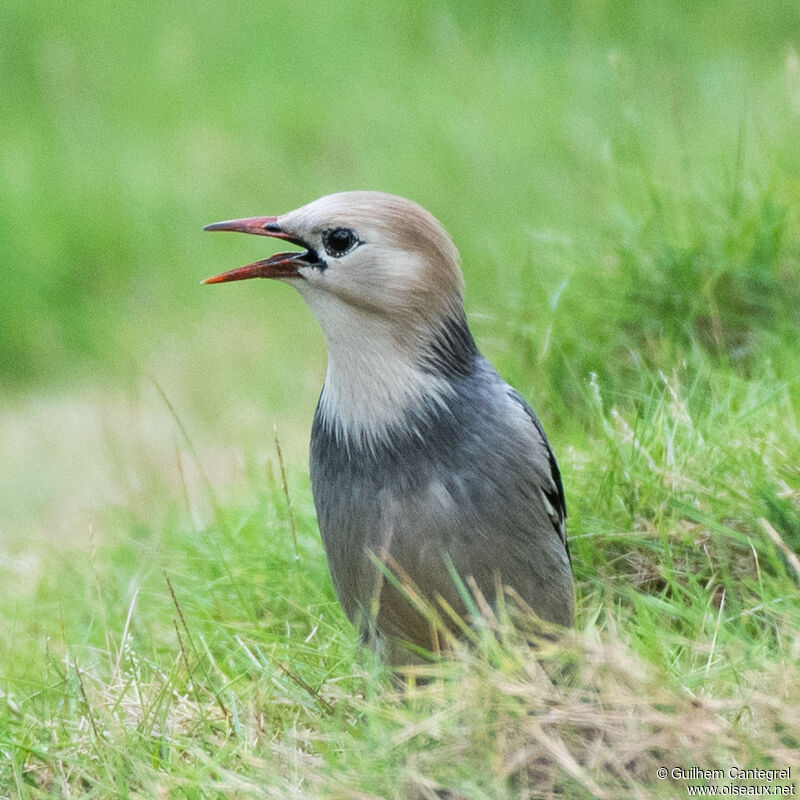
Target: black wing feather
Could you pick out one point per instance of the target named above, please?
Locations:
(555, 493)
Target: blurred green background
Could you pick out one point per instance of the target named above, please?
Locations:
(622, 180)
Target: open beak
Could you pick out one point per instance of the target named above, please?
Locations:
(281, 265)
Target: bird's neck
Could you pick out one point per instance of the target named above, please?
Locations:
(382, 377)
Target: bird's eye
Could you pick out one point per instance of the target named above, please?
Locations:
(339, 241)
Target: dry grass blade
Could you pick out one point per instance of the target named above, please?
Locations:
(791, 556)
(285, 486)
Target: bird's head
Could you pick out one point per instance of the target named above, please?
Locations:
(382, 278)
(375, 252)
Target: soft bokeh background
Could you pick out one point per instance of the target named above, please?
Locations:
(623, 182)
(599, 165)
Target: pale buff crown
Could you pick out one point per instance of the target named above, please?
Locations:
(379, 305)
(405, 263)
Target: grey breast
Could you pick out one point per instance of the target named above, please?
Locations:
(475, 484)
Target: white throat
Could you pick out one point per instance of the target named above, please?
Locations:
(374, 379)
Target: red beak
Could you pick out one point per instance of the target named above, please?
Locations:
(281, 265)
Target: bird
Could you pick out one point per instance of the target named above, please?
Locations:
(430, 474)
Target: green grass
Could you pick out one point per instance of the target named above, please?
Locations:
(170, 660)
(622, 182)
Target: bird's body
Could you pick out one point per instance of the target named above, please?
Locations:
(470, 482)
(423, 459)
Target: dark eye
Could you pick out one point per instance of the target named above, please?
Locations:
(339, 241)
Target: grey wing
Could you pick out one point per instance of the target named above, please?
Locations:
(552, 488)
